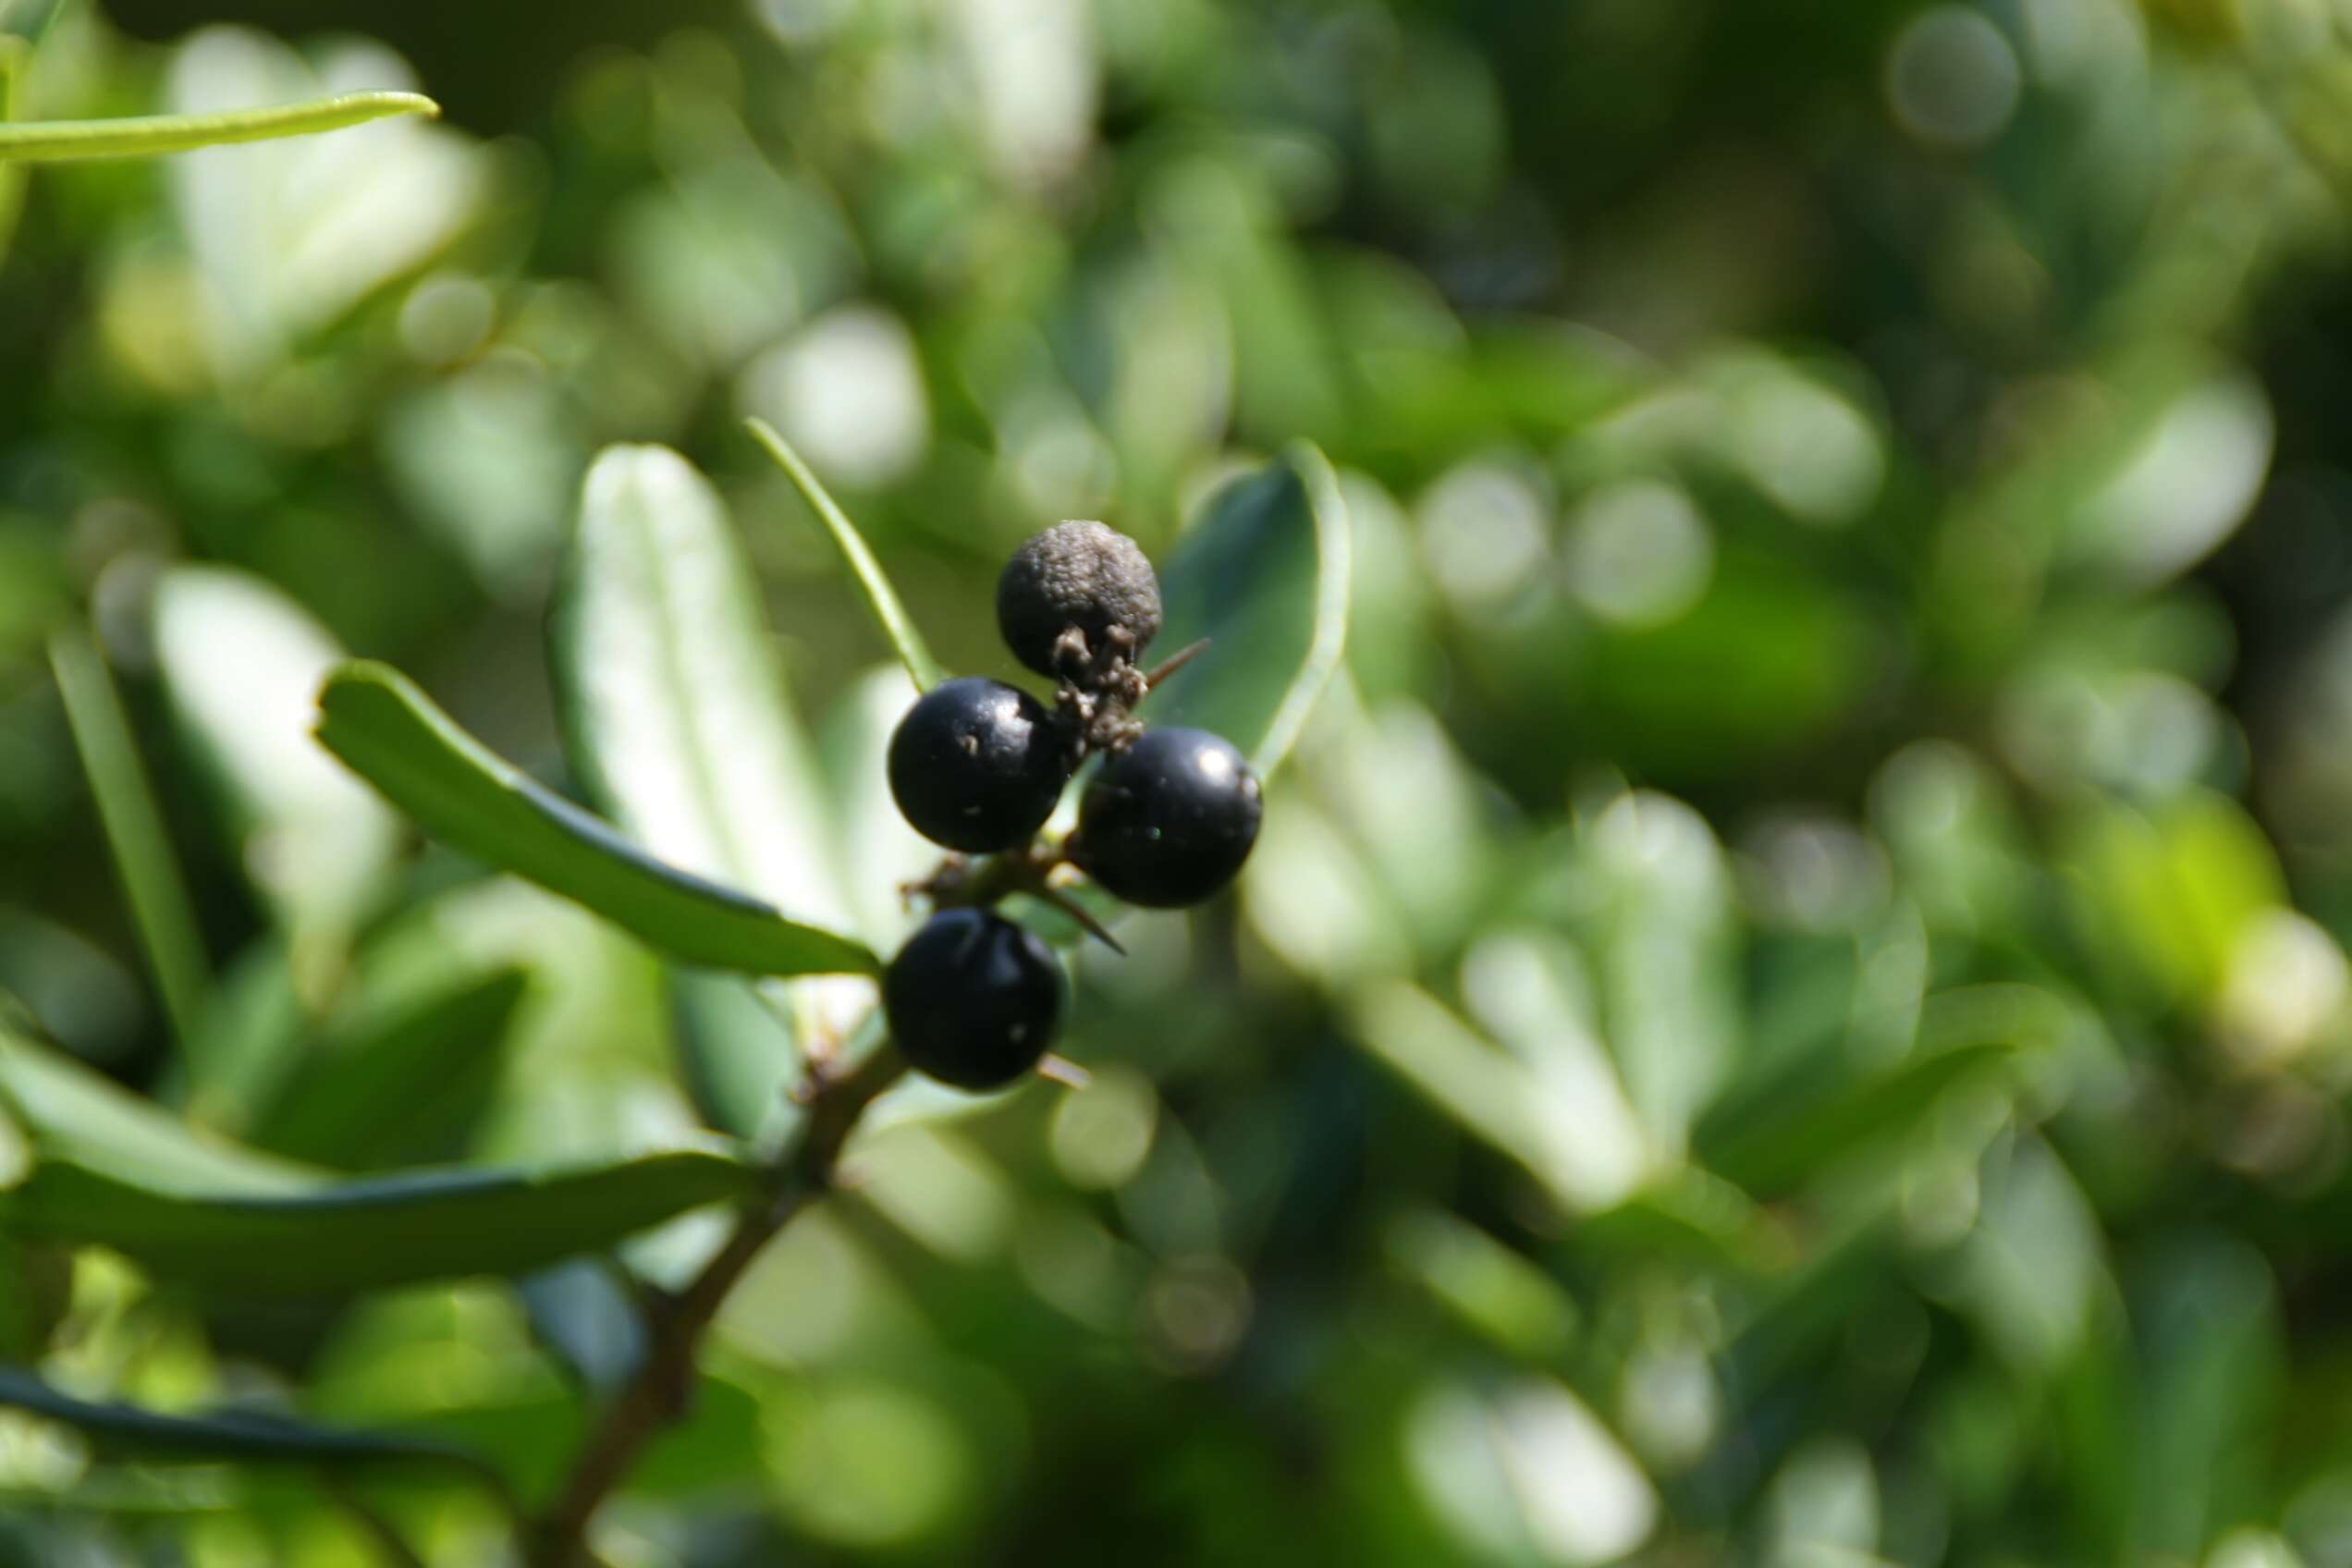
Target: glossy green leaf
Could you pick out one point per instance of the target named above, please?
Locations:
(881, 597)
(1263, 573)
(246, 1437)
(139, 136)
(456, 789)
(110, 1170)
(677, 718)
(401, 1087)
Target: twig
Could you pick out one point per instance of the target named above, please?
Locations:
(662, 1391)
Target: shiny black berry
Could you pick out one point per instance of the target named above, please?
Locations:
(978, 765)
(973, 1000)
(1168, 821)
(1084, 576)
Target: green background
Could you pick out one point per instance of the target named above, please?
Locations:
(1791, 1007)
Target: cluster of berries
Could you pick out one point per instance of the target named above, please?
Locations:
(977, 767)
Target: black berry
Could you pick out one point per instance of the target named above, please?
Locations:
(1077, 576)
(973, 1000)
(1168, 821)
(978, 765)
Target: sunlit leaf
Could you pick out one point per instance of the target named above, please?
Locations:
(141, 135)
(456, 789)
(677, 717)
(243, 664)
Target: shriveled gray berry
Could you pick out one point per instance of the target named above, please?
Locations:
(1081, 576)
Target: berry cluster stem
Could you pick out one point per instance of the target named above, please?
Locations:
(661, 1391)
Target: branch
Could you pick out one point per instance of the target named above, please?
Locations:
(662, 1391)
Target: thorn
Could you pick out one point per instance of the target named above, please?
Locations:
(1175, 662)
(1063, 1071)
(1077, 911)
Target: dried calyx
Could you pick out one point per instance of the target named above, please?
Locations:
(1080, 603)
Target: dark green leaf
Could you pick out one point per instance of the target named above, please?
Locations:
(456, 789)
(1263, 574)
(587, 1313)
(740, 1054)
(248, 1436)
(405, 1087)
(109, 1170)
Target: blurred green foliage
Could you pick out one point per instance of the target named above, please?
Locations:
(1791, 1007)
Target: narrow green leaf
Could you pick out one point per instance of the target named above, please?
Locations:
(110, 1170)
(677, 717)
(881, 597)
(134, 827)
(1263, 574)
(246, 1437)
(456, 789)
(405, 1087)
(139, 136)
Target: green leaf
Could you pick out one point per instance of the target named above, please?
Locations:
(585, 1313)
(456, 789)
(243, 662)
(1263, 573)
(675, 712)
(110, 1170)
(677, 718)
(53, 140)
(246, 1437)
(740, 1051)
(881, 597)
(405, 1084)
(134, 828)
